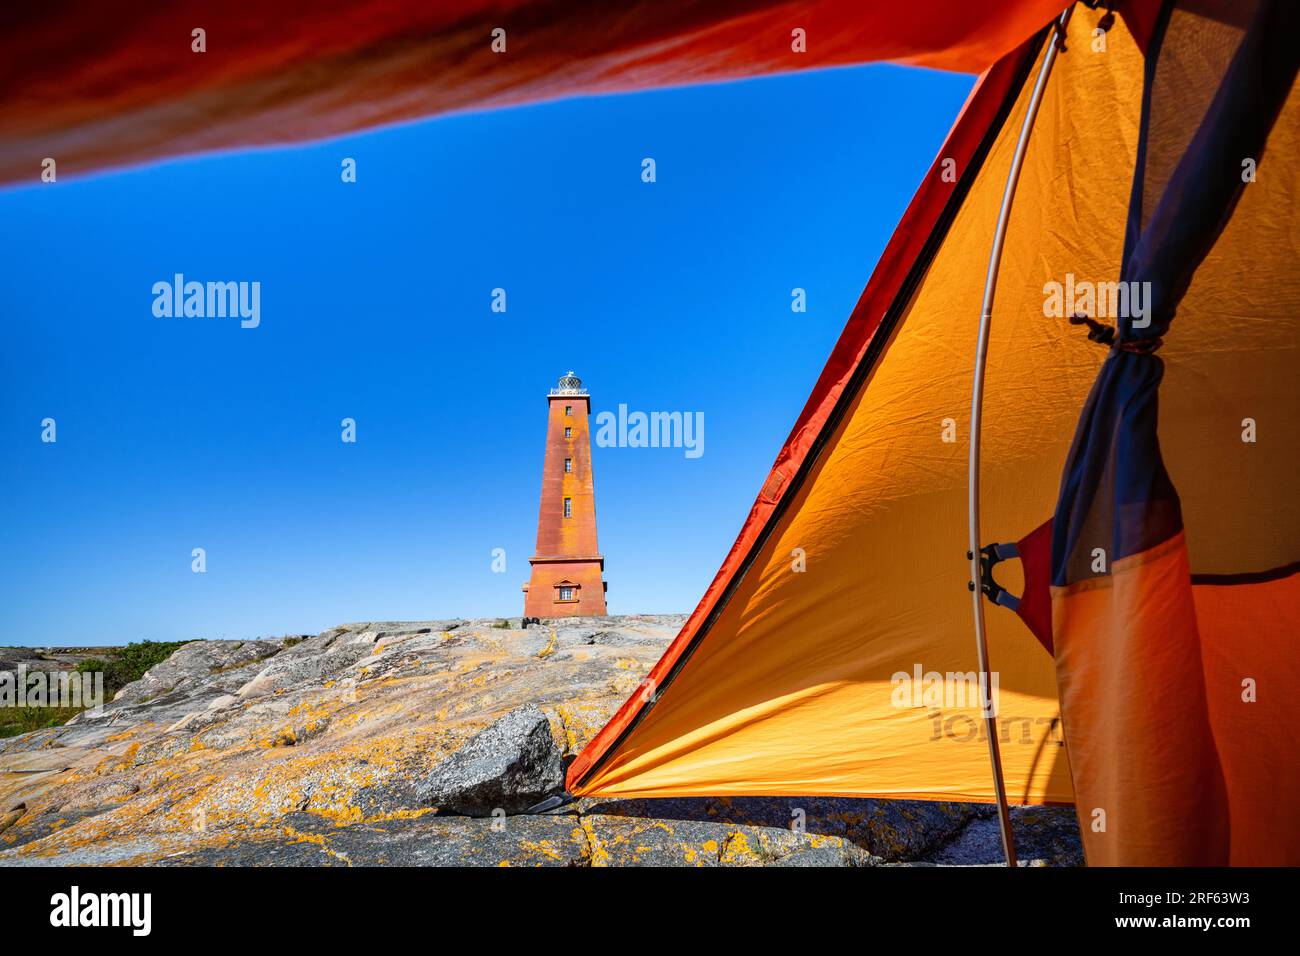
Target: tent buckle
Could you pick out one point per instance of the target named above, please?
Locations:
(990, 556)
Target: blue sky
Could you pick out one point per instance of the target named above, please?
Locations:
(185, 432)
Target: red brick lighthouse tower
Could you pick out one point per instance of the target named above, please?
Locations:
(567, 568)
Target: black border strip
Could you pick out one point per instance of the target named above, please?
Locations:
(875, 348)
(1248, 577)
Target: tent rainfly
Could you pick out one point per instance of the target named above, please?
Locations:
(1142, 465)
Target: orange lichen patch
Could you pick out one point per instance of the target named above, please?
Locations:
(310, 713)
(566, 727)
(601, 848)
(582, 722)
(594, 850)
(549, 649)
(399, 815)
(127, 733)
(115, 762)
(296, 836)
(340, 814)
(544, 848)
(736, 849)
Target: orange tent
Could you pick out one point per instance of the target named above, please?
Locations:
(94, 85)
(1141, 463)
(832, 653)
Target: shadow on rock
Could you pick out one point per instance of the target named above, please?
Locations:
(888, 829)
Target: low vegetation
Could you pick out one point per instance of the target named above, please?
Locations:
(21, 720)
(120, 667)
(128, 664)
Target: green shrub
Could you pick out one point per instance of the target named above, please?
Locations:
(127, 664)
(21, 720)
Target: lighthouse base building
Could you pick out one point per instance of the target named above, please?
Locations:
(561, 588)
(567, 569)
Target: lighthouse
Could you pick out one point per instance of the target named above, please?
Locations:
(567, 567)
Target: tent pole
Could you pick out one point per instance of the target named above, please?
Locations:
(976, 408)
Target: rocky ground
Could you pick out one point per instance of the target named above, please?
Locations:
(48, 658)
(366, 744)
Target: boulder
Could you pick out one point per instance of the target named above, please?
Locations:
(511, 765)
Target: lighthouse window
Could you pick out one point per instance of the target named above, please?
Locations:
(568, 465)
(566, 594)
(568, 507)
(568, 432)
(568, 411)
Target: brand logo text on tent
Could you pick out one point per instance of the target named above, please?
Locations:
(962, 727)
